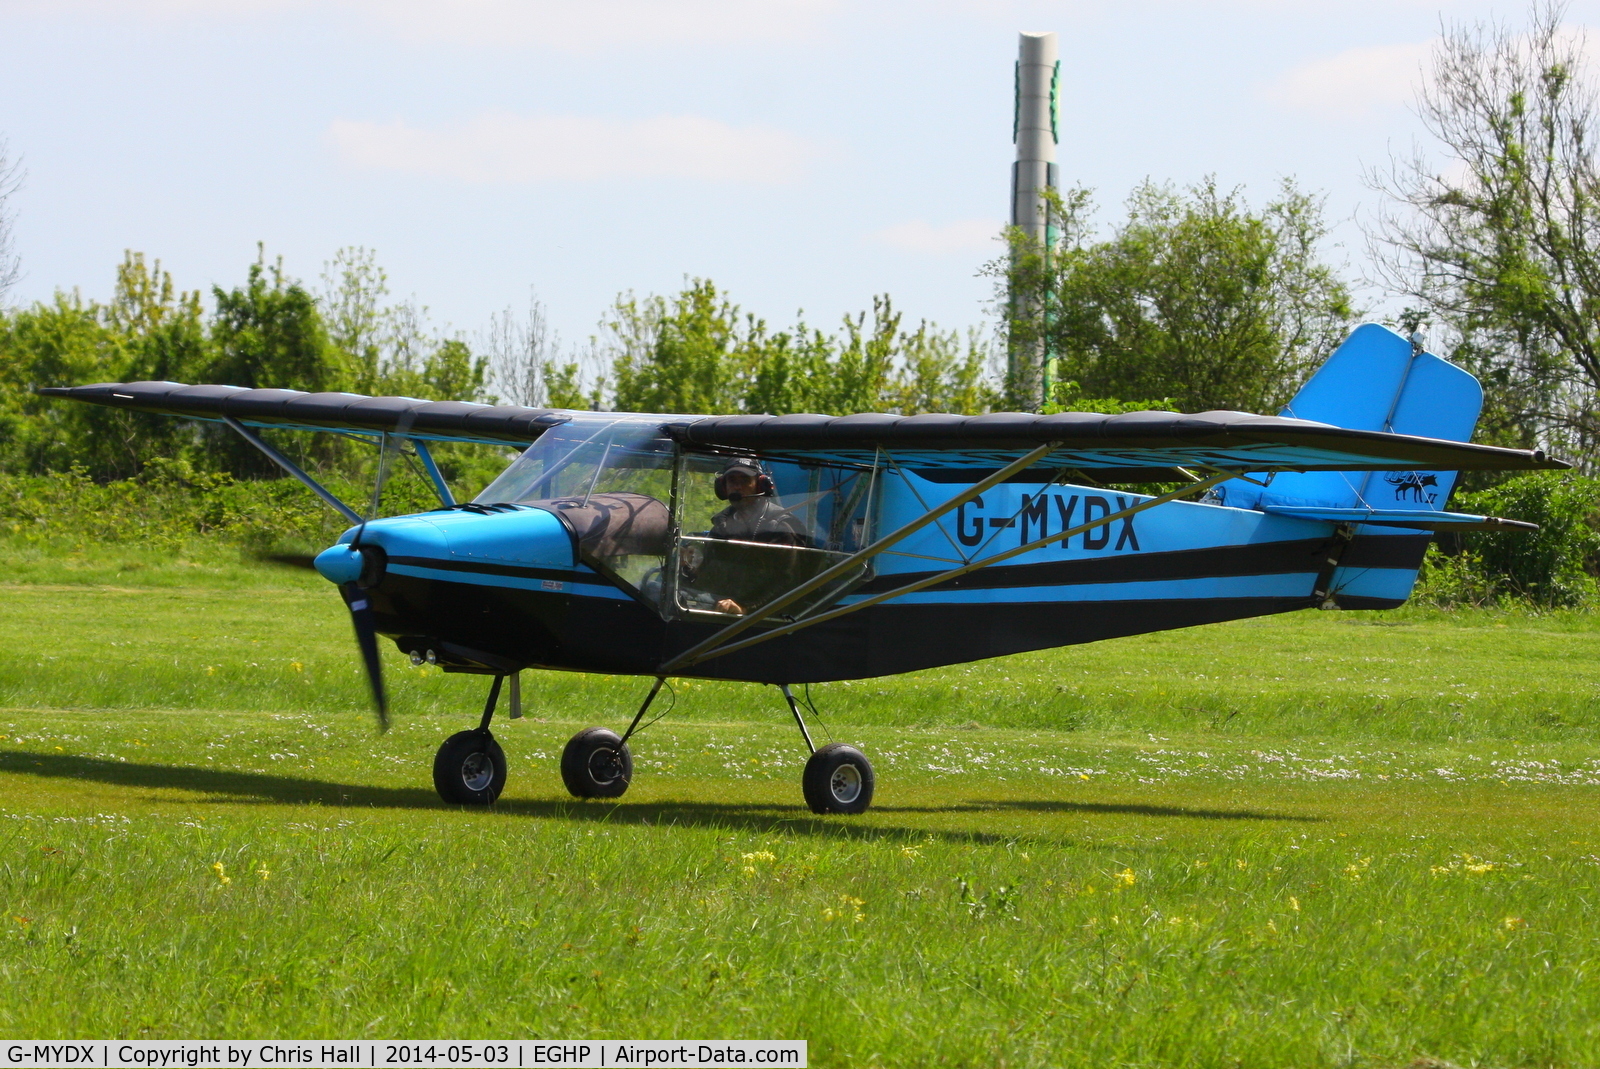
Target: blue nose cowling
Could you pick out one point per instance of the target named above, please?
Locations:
(339, 564)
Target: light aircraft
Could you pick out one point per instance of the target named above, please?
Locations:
(800, 549)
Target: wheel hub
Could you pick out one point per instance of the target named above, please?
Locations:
(477, 771)
(604, 767)
(845, 784)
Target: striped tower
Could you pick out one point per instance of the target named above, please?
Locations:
(1038, 76)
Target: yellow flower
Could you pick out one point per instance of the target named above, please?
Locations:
(1514, 923)
(1356, 868)
(1294, 903)
(222, 873)
(910, 851)
(1126, 878)
(759, 855)
(1241, 864)
(263, 872)
(297, 666)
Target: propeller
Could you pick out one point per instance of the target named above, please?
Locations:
(367, 639)
(361, 615)
(290, 560)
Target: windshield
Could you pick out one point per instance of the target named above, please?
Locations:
(609, 478)
(591, 454)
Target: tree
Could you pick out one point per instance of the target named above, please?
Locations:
(351, 301)
(683, 355)
(1501, 249)
(698, 352)
(1193, 297)
(11, 175)
(524, 361)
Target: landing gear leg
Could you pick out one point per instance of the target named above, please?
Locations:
(794, 707)
(838, 778)
(470, 768)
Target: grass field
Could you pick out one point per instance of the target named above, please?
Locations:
(1317, 840)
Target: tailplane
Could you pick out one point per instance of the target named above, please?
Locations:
(1376, 381)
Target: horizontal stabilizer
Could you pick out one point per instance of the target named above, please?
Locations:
(1416, 520)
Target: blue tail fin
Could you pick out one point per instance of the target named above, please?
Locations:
(1374, 382)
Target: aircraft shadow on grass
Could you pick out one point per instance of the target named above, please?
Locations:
(1130, 808)
(231, 787)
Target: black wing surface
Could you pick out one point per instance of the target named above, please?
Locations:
(457, 421)
(1116, 446)
(1120, 446)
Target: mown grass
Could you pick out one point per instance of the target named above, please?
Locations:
(1323, 839)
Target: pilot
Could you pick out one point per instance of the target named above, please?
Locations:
(753, 513)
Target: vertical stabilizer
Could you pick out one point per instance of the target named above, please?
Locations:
(1376, 381)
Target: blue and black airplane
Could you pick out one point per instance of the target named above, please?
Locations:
(799, 549)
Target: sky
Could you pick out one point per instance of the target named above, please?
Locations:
(803, 154)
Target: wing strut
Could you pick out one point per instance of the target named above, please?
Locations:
(294, 469)
(436, 476)
(695, 655)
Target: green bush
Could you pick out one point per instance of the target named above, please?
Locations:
(1554, 567)
(171, 504)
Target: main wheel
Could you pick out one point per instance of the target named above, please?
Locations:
(469, 769)
(838, 779)
(596, 764)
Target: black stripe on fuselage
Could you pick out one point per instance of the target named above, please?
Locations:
(550, 630)
(517, 571)
(1264, 558)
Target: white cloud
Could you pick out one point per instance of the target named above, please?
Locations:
(1353, 83)
(576, 25)
(966, 235)
(592, 25)
(502, 147)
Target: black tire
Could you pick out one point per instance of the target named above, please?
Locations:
(469, 769)
(838, 779)
(596, 764)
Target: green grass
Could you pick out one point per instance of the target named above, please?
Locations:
(1317, 840)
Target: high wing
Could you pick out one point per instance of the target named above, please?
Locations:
(351, 413)
(1111, 448)
(1137, 446)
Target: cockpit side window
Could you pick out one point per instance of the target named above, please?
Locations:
(751, 529)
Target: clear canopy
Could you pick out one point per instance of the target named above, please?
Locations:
(624, 489)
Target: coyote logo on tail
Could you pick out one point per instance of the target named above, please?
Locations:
(1409, 485)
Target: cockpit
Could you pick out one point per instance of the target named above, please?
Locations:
(662, 522)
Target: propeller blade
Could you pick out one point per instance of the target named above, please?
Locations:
(289, 560)
(367, 638)
(393, 442)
